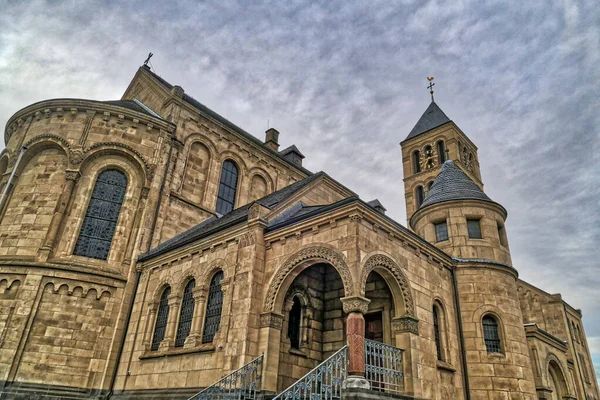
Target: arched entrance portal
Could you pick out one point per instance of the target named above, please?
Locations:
(378, 319)
(313, 325)
(556, 381)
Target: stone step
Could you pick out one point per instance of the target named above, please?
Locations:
(18, 391)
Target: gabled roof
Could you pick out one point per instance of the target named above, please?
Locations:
(239, 215)
(291, 149)
(453, 184)
(134, 105)
(431, 118)
(204, 109)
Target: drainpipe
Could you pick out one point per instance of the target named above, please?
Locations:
(11, 177)
(139, 275)
(462, 337)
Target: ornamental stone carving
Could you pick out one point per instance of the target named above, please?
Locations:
(271, 320)
(355, 304)
(406, 323)
(315, 253)
(383, 261)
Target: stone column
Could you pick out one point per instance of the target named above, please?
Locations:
(195, 337)
(71, 177)
(150, 322)
(356, 307)
(269, 342)
(406, 331)
(169, 339)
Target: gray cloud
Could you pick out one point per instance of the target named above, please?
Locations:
(345, 82)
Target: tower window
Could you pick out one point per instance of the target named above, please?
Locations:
(417, 161)
(294, 324)
(441, 150)
(429, 159)
(214, 305)
(227, 188)
(491, 335)
(474, 228)
(429, 185)
(441, 231)
(420, 195)
(437, 333)
(502, 235)
(98, 228)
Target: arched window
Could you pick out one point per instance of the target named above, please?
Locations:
(295, 321)
(441, 150)
(419, 195)
(100, 222)
(214, 305)
(491, 335)
(227, 188)
(429, 185)
(437, 332)
(186, 315)
(162, 317)
(417, 161)
(429, 160)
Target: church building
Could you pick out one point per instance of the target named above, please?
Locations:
(152, 249)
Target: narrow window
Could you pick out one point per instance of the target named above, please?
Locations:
(227, 188)
(294, 324)
(441, 150)
(417, 161)
(441, 231)
(429, 159)
(162, 317)
(429, 185)
(100, 222)
(437, 333)
(586, 373)
(420, 196)
(502, 235)
(491, 335)
(474, 228)
(186, 315)
(214, 305)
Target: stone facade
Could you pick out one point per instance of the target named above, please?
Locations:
(300, 268)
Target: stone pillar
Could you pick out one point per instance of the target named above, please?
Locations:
(356, 307)
(169, 339)
(71, 177)
(150, 322)
(195, 337)
(406, 331)
(269, 342)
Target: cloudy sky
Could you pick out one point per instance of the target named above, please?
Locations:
(345, 82)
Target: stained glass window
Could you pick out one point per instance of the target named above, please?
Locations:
(420, 196)
(186, 315)
(227, 188)
(441, 231)
(436, 331)
(491, 335)
(162, 318)
(102, 214)
(474, 228)
(214, 306)
(294, 324)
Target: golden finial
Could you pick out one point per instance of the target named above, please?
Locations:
(431, 85)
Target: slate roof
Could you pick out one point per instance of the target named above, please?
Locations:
(190, 100)
(291, 149)
(239, 215)
(431, 118)
(134, 105)
(453, 184)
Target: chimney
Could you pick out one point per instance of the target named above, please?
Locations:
(272, 139)
(377, 206)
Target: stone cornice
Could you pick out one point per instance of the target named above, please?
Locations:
(486, 264)
(534, 331)
(68, 105)
(445, 205)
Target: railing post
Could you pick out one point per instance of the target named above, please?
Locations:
(355, 307)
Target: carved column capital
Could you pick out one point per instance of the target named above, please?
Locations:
(271, 320)
(174, 301)
(355, 304)
(153, 306)
(199, 294)
(145, 191)
(405, 323)
(72, 175)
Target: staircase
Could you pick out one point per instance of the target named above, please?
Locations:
(242, 384)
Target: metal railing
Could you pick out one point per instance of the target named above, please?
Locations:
(323, 382)
(383, 367)
(241, 384)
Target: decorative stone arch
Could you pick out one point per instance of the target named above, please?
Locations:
(4, 161)
(395, 278)
(552, 361)
(302, 293)
(123, 151)
(37, 145)
(188, 275)
(200, 138)
(239, 161)
(298, 262)
(165, 282)
(215, 266)
(477, 316)
(263, 174)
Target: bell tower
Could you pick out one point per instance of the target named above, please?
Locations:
(434, 139)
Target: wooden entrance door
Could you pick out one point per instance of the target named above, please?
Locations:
(373, 359)
(374, 326)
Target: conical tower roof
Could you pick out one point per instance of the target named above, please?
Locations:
(453, 184)
(431, 118)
